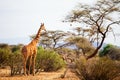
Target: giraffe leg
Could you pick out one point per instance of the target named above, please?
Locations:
(29, 68)
(24, 61)
(33, 68)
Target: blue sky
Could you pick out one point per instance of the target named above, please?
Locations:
(21, 18)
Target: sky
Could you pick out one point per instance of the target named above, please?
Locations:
(22, 18)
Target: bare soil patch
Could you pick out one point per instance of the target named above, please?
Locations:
(5, 75)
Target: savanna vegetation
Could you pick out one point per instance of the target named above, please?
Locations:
(81, 50)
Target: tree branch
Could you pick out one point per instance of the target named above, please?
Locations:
(116, 22)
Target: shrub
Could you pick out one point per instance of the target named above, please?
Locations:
(97, 69)
(11, 56)
(105, 50)
(4, 54)
(15, 63)
(48, 60)
(111, 51)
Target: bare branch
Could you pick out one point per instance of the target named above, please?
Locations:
(116, 22)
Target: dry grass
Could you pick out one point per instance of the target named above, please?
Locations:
(4, 72)
(5, 75)
(98, 69)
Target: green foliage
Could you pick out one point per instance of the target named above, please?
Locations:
(11, 56)
(48, 60)
(4, 54)
(4, 46)
(110, 51)
(97, 69)
(15, 49)
(105, 50)
(15, 63)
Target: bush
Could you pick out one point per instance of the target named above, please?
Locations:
(97, 69)
(48, 60)
(11, 56)
(111, 51)
(15, 63)
(105, 50)
(4, 54)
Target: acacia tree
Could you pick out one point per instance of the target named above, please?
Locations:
(55, 38)
(90, 33)
(51, 39)
(82, 45)
(102, 15)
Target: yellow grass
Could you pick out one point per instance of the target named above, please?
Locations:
(5, 75)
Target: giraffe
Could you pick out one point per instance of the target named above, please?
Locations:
(29, 51)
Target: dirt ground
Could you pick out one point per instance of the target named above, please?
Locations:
(5, 75)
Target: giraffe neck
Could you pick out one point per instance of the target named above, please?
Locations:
(36, 39)
(38, 35)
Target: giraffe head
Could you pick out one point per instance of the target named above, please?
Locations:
(42, 27)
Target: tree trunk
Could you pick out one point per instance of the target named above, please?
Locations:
(97, 49)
